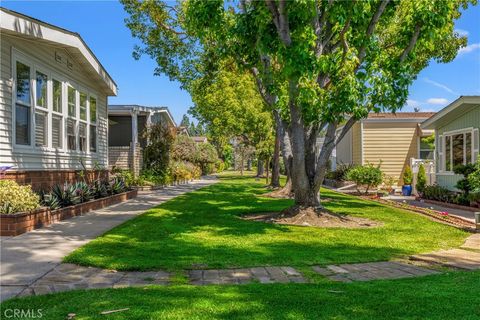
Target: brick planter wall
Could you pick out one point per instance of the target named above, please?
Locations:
(18, 223)
(46, 179)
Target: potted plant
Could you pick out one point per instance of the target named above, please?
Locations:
(407, 181)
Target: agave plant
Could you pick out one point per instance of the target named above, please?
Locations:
(83, 190)
(100, 189)
(117, 185)
(51, 201)
(66, 194)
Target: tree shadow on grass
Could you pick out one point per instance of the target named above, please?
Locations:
(392, 299)
(202, 228)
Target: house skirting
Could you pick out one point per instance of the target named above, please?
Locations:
(46, 179)
(126, 157)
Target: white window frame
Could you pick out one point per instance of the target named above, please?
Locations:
(63, 114)
(69, 84)
(41, 109)
(90, 123)
(449, 135)
(18, 57)
(86, 122)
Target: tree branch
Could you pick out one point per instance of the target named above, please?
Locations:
(412, 42)
(348, 125)
(371, 28)
(280, 20)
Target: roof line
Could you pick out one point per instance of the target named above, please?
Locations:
(76, 34)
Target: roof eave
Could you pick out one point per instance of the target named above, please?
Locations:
(24, 25)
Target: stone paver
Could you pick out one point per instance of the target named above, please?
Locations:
(28, 257)
(456, 258)
(372, 271)
(246, 275)
(67, 276)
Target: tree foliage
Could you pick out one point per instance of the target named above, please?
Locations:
(315, 63)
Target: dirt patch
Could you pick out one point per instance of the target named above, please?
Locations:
(279, 194)
(314, 218)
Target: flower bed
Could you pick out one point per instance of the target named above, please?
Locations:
(21, 222)
(439, 216)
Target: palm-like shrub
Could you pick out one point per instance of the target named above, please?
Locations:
(84, 191)
(66, 194)
(16, 198)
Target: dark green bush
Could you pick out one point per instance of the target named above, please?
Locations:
(340, 173)
(438, 193)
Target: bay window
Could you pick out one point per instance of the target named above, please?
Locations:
(22, 104)
(49, 112)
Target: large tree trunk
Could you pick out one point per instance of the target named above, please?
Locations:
(309, 163)
(260, 168)
(275, 183)
(286, 151)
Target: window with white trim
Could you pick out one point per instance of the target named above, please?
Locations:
(459, 149)
(22, 104)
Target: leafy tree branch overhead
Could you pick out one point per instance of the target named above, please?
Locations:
(318, 63)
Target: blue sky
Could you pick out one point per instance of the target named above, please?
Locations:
(101, 24)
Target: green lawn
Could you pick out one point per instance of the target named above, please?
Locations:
(202, 229)
(442, 297)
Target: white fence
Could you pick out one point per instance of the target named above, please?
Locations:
(429, 166)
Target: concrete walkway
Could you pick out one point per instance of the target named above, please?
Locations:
(28, 257)
(464, 214)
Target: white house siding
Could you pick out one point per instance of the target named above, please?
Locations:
(35, 159)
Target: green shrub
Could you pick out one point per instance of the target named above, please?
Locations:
(474, 178)
(464, 184)
(340, 173)
(421, 178)
(15, 198)
(439, 193)
(369, 176)
(220, 166)
(407, 176)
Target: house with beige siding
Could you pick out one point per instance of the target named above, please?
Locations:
(389, 139)
(456, 137)
(53, 102)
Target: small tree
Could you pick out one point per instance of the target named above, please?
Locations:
(156, 155)
(408, 176)
(421, 179)
(369, 176)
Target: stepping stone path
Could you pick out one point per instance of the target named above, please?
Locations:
(372, 271)
(246, 275)
(70, 277)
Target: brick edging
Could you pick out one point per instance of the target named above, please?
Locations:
(21, 222)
